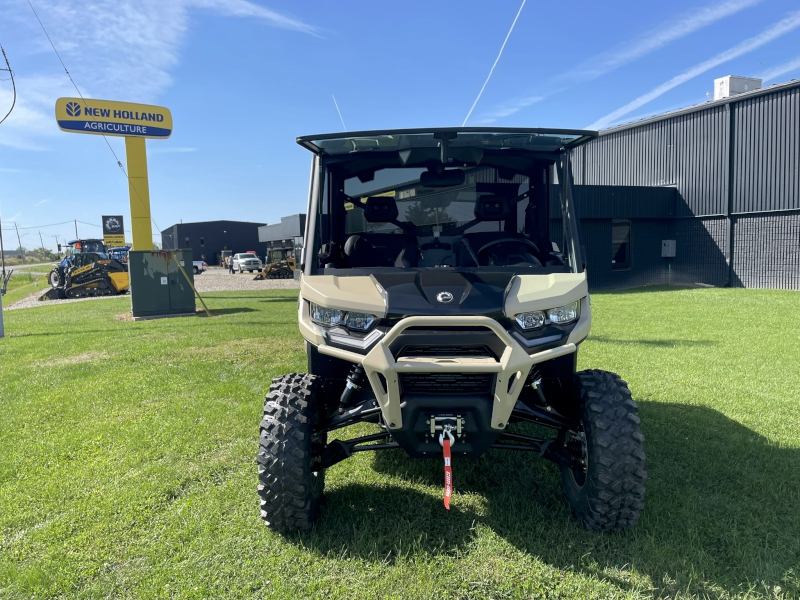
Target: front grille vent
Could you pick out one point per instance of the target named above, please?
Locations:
(472, 351)
(446, 383)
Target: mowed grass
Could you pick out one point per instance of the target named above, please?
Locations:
(127, 465)
(21, 285)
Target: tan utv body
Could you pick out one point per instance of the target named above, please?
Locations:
(435, 304)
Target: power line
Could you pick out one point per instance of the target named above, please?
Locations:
(39, 226)
(13, 84)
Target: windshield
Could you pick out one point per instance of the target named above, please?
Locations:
(83, 246)
(466, 217)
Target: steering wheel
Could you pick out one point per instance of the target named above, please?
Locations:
(508, 240)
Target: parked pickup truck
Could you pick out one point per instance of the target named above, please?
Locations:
(199, 266)
(246, 262)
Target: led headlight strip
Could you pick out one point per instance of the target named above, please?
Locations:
(534, 319)
(354, 321)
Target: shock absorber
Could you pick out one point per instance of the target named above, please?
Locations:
(354, 382)
(535, 381)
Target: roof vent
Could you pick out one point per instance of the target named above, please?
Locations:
(730, 85)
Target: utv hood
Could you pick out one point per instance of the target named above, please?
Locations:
(445, 293)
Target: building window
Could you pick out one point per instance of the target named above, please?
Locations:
(620, 244)
(202, 241)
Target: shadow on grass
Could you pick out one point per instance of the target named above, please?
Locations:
(230, 296)
(722, 513)
(219, 312)
(656, 343)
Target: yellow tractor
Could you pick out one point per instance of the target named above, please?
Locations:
(87, 270)
(279, 264)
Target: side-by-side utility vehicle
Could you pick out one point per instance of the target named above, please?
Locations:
(443, 298)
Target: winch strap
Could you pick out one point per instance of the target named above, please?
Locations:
(448, 474)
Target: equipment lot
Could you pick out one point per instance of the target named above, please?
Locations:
(128, 464)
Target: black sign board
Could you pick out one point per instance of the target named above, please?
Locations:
(113, 231)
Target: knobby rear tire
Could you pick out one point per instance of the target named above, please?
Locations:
(290, 491)
(610, 495)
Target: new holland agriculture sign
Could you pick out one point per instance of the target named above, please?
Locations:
(107, 117)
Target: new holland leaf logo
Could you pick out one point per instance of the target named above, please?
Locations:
(73, 109)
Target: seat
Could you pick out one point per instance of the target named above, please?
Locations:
(381, 250)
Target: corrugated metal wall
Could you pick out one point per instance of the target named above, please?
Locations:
(688, 151)
(617, 202)
(736, 165)
(767, 153)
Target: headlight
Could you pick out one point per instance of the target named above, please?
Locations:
(355, 321)
(563, 314)
(325, 316)
(358, 321)
(557, 316)
(530, 320)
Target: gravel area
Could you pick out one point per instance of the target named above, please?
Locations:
(213, 280)
(33, 301)
(219, 280)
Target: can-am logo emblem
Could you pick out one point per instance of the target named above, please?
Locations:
(113, 224)
(444, 297)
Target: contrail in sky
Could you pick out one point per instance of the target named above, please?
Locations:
(496, 60)
(775, 72)
(338, 111)
(777, 30)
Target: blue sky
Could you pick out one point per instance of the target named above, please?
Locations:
(244, 78)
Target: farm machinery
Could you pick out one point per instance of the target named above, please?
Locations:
(87, 270)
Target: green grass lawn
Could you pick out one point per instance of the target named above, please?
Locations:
(127, 465)
(21, 285)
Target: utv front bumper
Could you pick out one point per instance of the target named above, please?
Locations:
(505, 375)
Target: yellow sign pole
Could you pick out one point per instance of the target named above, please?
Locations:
(134, 122)
(136, 154)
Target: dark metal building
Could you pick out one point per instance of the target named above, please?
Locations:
(734, 166)
(208, 238)
(286, 236)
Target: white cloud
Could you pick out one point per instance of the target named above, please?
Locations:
(508, 109)
(653, 40)
(777, 71)
(242, 8)
(650, 41)
(113, 49)
(777, 30)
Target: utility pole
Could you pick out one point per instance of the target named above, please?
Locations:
(2, 259)
(42, 243)
(2, 278)
(76, 229)
(21, 249)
